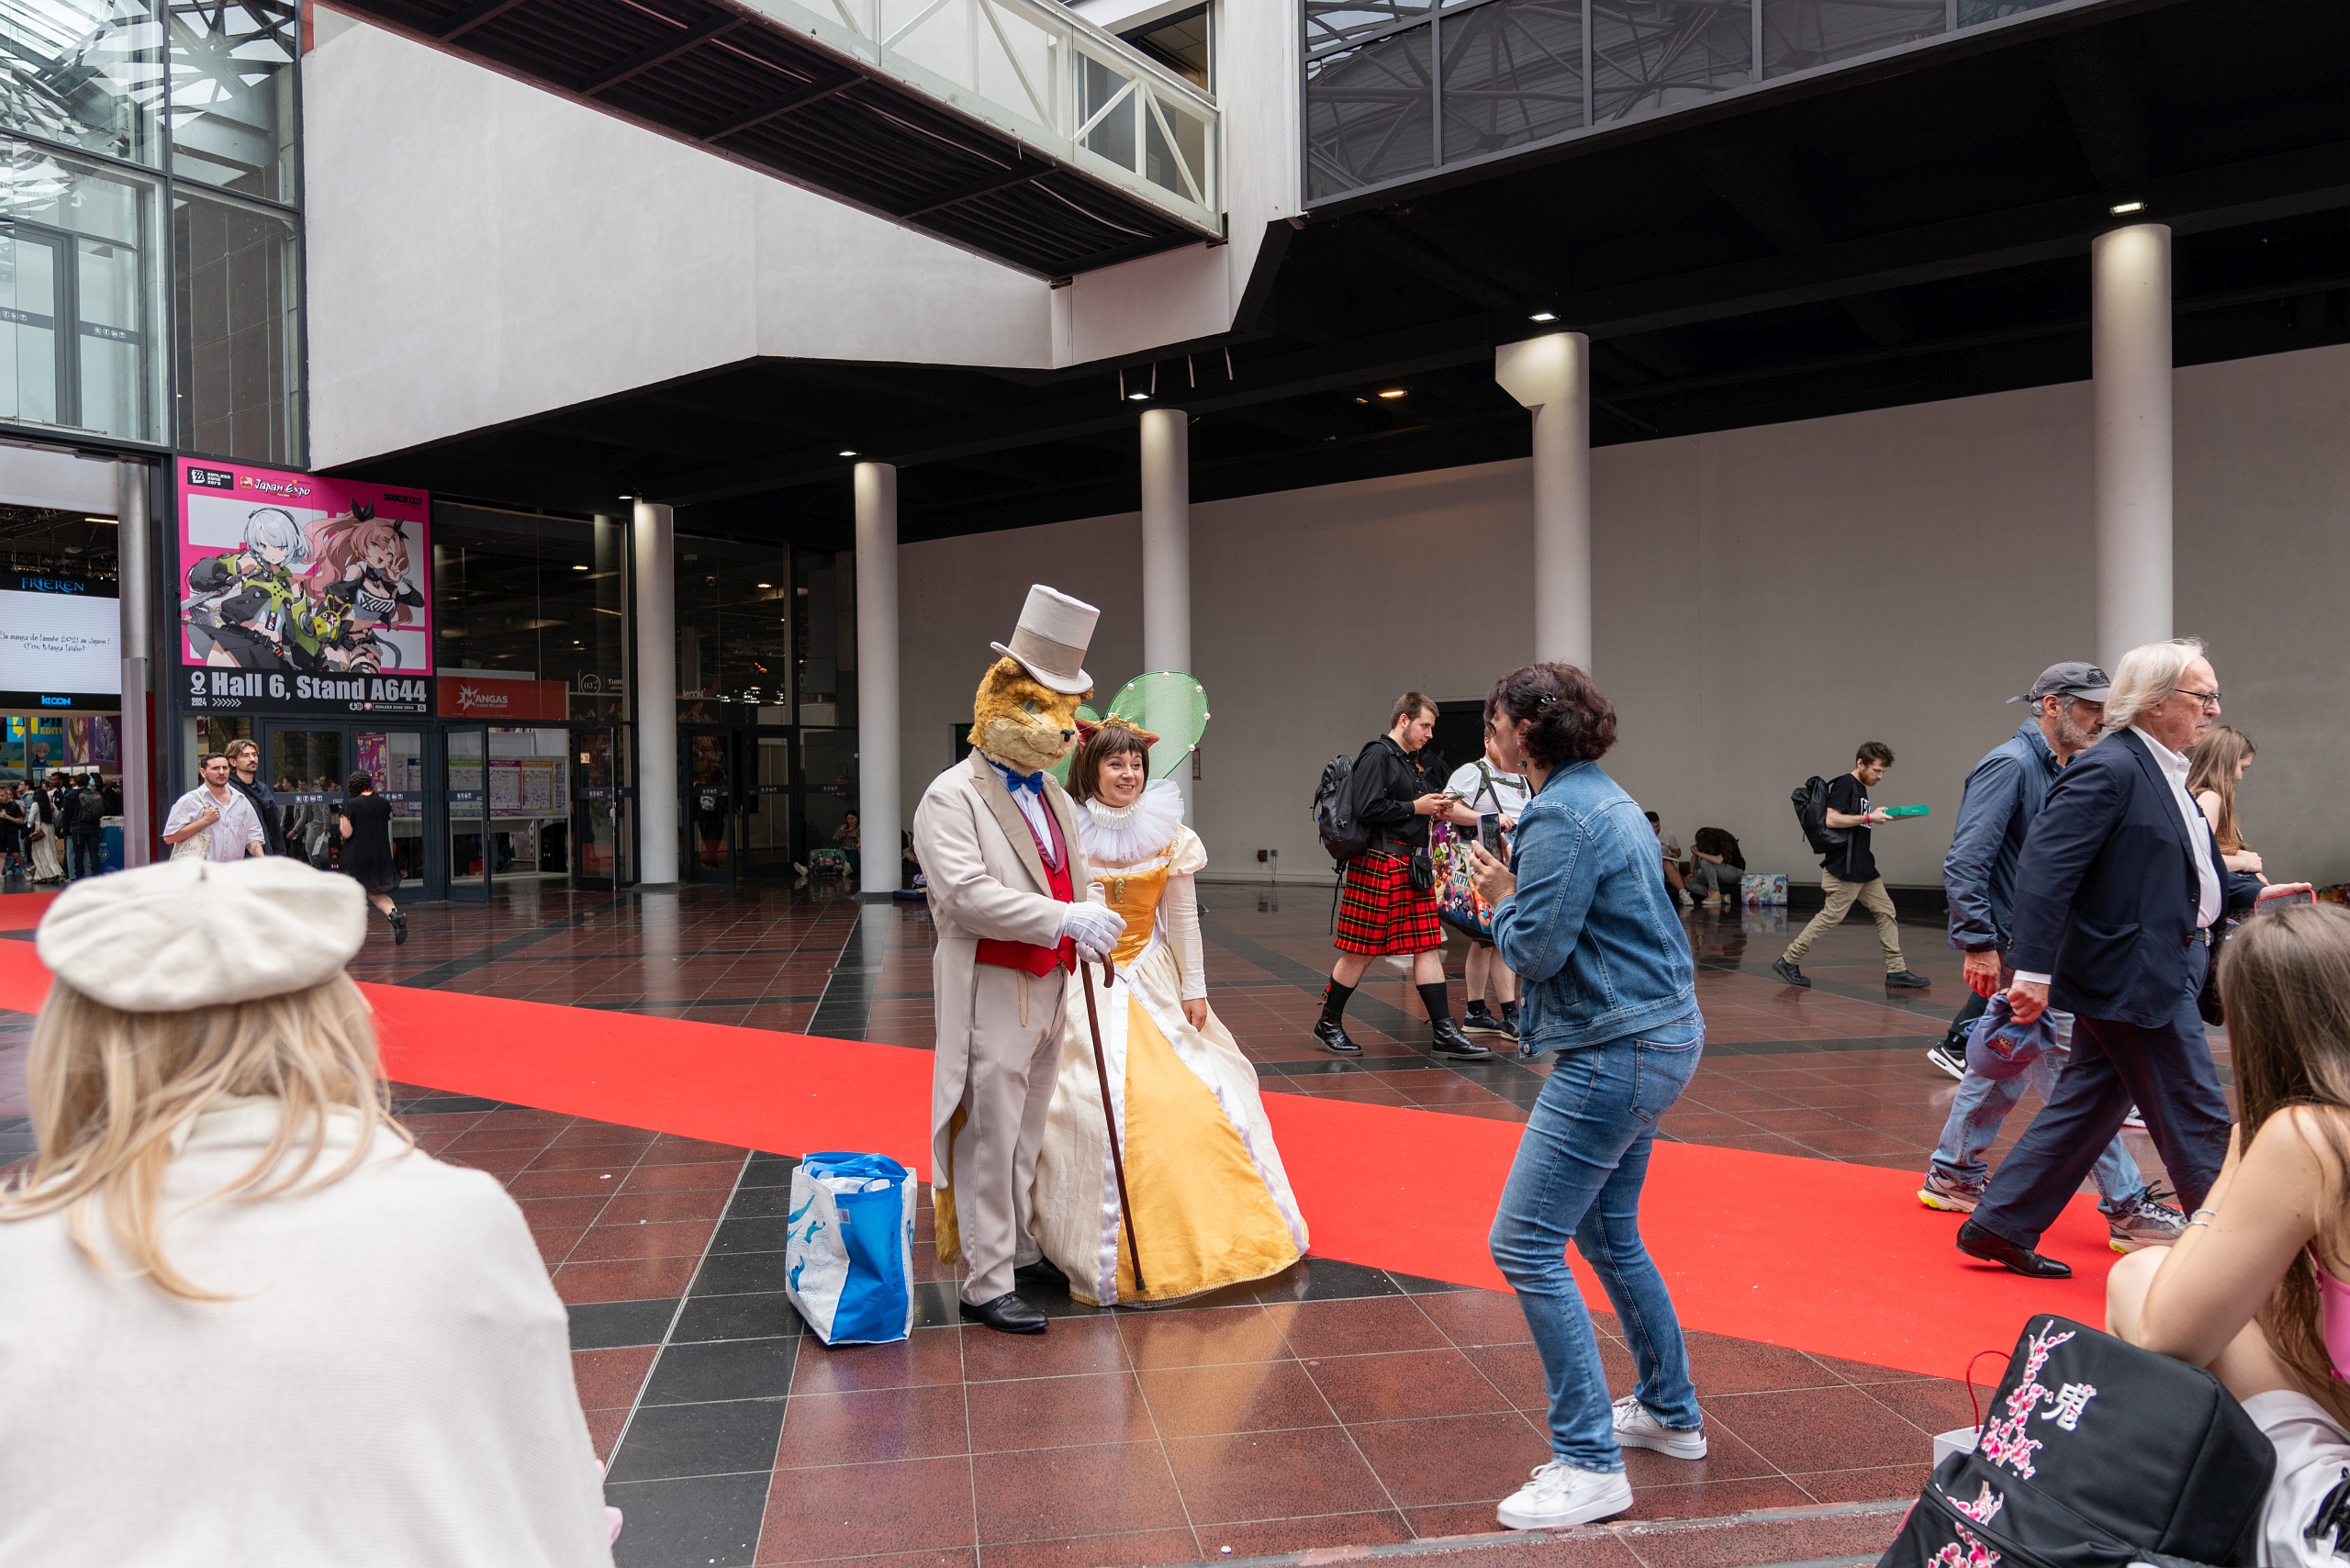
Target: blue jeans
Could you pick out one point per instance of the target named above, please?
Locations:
(1578, 1174)
(1983, 1102)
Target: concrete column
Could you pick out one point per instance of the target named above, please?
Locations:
(653, 534)
(135, 552)
(1166, 562)
(880, 812)
(2130, 367)
(1551, 375)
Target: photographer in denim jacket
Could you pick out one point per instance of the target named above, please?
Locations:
(1583, 917)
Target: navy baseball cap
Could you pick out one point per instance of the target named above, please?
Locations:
(2071, 680)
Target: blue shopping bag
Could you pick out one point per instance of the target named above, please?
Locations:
(848, 1248)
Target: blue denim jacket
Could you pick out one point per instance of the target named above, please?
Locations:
(1592, 930)
(2005, 790)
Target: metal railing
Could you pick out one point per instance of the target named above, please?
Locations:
(1397, 89)
(1045, 75)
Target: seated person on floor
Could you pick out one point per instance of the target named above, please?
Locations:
(1718, 869)
(244, 1320)
(2254, 1289)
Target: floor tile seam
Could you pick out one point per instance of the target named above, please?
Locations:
(620, 1438)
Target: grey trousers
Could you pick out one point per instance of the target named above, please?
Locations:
(1015, 1059)
(1726, 879)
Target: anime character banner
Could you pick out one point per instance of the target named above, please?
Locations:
(303, 594)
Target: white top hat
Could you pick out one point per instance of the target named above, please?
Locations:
(1051, 638)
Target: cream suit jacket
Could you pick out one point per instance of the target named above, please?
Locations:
(986, 879)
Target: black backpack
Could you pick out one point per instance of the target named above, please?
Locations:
(2096, 1454)
(1334, 811)
(1810, 801)
(92, 806)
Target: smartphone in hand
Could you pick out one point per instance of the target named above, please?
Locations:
(1489, 833)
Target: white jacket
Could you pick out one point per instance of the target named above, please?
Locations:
(391, 1386)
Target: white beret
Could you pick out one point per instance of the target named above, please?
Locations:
(187, 933)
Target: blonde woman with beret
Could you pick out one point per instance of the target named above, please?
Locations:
(243, 1320)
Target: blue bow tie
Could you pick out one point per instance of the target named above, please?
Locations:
(1032, 782)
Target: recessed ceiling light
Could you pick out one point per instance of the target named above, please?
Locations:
(1392, 392)
(765, 584)
(578, 568)
(2125, 207)
(1137, 396)
(1543, 316)
(848, 451)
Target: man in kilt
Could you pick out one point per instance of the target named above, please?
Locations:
(1388, 905)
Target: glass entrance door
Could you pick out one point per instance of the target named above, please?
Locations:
(828, 790)
(766, 768)
(465, 793)
(395, 760)
(709, 805)
(599, 828)
(307, 767)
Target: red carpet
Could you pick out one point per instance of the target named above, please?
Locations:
(1826, 1257)
(22, 912)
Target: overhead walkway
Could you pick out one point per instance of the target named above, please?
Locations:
(1012, 127)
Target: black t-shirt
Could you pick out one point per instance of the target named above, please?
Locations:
(1852, 861)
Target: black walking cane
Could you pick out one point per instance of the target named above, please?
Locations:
(1109, 1117)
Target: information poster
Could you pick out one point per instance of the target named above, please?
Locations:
(302, 594)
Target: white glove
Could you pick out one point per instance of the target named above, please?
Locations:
(1094, 927)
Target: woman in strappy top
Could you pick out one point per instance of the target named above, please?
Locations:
(2257, 1288)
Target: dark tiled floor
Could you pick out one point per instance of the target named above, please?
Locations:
(1334, 1406)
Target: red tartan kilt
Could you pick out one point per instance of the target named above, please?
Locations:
(1381, 915)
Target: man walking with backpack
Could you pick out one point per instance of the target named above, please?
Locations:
(1389, 906)
(1848, 873)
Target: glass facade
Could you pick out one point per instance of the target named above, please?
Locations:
(521, 596)
(1397, 89)
(150, 251)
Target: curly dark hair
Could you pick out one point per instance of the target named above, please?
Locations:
(1573, 720)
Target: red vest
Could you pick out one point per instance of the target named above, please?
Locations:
(1027, 956)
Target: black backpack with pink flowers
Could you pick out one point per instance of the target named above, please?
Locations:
(2096, 1454)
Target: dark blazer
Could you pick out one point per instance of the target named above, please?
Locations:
(2105, 888)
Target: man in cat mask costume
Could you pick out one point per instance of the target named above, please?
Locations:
(999, 847)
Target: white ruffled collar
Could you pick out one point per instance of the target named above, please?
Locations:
(1122, 836)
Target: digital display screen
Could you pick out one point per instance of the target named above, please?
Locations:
(60, 646)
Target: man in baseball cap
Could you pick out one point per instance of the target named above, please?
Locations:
(2004, 793)
(2071, 679)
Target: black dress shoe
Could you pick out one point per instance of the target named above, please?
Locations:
(1451, 1042)
(1007, 1313)
(1333, 1035)
(1043, 1271)
(400, 926)
(1906, 979)
(1789, 973)
(1977, 1242)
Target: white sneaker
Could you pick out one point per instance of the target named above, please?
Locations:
(1560, 1495)
(1636, 1429)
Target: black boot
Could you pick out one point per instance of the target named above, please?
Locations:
(1332, 1035)
(400, 926)
(1451, 1042)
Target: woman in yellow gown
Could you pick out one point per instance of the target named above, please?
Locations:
(1212, 1205)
